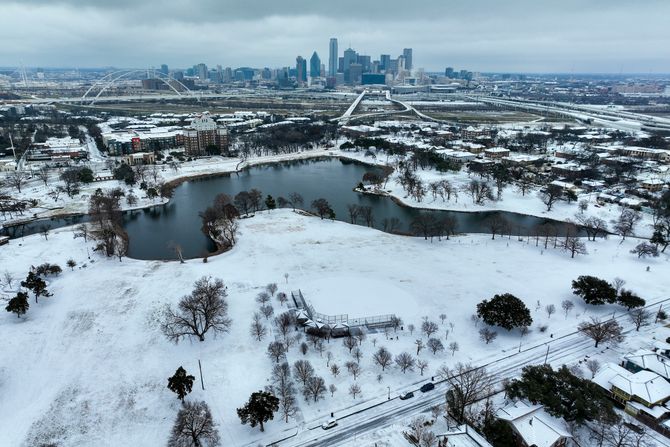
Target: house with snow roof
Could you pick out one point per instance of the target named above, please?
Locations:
(644, 359)
(533, 426)
(643, 393)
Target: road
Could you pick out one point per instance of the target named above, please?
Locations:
(567, 349)
(618, 119)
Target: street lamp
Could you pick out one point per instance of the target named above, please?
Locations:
(389, 396)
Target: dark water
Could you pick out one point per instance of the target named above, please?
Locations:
(152, 230)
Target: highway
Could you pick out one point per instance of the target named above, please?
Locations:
(618, 119)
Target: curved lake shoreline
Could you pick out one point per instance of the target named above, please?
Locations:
(330, 176)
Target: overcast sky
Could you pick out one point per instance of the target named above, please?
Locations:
(480, 35)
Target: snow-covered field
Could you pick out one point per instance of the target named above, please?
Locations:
(89, 365)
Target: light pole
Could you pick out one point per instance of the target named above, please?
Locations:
(389, 396)
(546, 355)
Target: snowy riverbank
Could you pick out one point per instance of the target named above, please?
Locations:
(89, 366)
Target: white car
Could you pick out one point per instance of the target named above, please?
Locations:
(329, 424)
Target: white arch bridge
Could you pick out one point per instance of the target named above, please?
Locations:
(111, 78)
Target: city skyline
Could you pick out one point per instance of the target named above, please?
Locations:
(600, 37)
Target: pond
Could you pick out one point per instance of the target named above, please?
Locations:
(152, 230)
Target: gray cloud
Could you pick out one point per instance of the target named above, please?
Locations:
(481, 35)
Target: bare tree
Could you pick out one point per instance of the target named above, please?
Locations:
(43, 174)
(592, 365)
(296, 200)
(276, 350)
(353, 368)
(332, 388)
(625, 224)
(550, 195)
(267, 311)
(618, 284)
(435, 345)
(335, 370)
(357, 354)
(283, 322)
(258, 329)
(315, 388)
(479, 190)
(575, 246)
(419, 346)
(382, 357)
(271, 288)
(8, 277)
(487, 335)
(194, 427)
(282, 387)
(567, 305)
(550, 309)
(429, 328)
(203, 310)
(620, 434)
(354, 390)
(419, 433)
(410, 328)
(467, 386)
(303, 370)
(281, 296)
(602, 331)
(349, 343)
(353, 210)
(453, 347)
(640, 317)
(422, 365)
(16, 179)
(405, 362)
(262, 298)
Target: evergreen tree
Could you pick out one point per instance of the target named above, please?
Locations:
(562, 393)
(594, 290)
(630, 300)
(506, 311)
(180, 383)
(270, 203)
(259, 409)
(19, 304)
(36, 284)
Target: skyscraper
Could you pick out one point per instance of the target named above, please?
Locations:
(332, 57)
(201, 71)
(301, 69)
(385, 62)
(164, 69)
(350, 57)
(407, 53)
(315, 66)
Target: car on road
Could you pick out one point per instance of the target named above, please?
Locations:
(427, 387)
(407, 395)
(329, 424)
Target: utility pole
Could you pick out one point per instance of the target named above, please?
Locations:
(546, 356)
(202, 384)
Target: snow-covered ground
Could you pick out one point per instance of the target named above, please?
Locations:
(89, 365)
